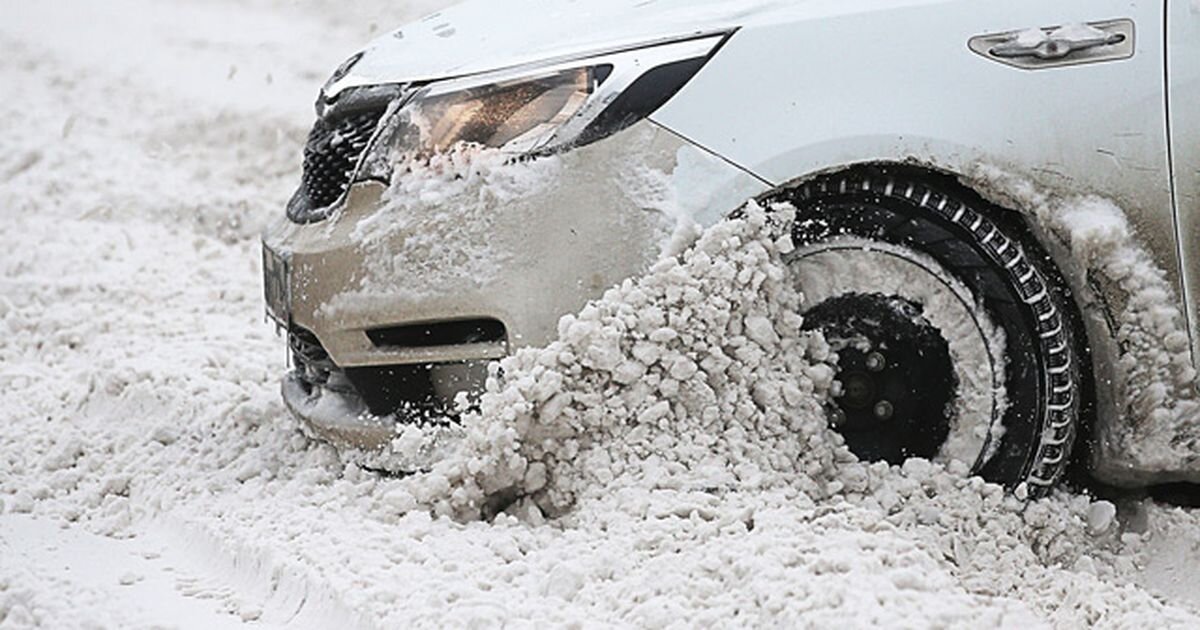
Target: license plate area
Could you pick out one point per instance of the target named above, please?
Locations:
(277, 288)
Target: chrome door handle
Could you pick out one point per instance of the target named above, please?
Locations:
(1055, 48)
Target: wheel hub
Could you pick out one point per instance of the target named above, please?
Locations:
(858, 390)
(897, 378)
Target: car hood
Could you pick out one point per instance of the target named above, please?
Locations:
(484, 35)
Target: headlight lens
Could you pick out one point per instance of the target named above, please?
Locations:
(535, 111)
(518, 117)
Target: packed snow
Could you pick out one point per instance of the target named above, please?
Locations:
(663, 463)
(1154, 379)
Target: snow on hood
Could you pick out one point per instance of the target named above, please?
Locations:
(483, 35)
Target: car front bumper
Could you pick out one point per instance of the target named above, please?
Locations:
(450, 271)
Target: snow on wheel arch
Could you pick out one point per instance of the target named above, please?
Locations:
(1153, 434)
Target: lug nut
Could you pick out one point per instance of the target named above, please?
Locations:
(884, 410)
(837, 417)
(876, 362)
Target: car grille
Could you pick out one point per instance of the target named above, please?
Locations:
(334, 147)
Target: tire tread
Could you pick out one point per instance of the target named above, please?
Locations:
(1059, 424)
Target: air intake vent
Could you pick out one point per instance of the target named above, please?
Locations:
(456, 333)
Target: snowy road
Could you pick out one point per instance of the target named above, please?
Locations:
(150, 478)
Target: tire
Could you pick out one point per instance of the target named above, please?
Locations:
(1008, 276)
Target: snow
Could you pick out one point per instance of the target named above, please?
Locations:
(150, 477)
(443, 250)
(1155, 380)
(1076, 32)
(1030, 37)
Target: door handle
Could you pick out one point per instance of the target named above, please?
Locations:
(1049, 47)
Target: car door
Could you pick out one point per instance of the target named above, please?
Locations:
(1183, 72)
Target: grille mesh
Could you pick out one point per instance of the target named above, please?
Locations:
(333, 149)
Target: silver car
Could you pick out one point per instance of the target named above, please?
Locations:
(998, 210)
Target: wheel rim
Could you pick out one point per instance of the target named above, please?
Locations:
(945, 386)
(896, 375)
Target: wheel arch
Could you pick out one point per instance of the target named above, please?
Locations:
(1093, 318)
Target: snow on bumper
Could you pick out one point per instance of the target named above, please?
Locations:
(334, 416)
(475, 238)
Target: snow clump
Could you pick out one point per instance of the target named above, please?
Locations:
(697, 375)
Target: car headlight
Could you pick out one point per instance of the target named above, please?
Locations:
(535, 110)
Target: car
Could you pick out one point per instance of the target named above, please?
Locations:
(997, 211)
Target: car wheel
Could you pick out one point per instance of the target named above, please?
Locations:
(952, 328)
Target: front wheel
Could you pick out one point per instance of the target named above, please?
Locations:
(952, 329)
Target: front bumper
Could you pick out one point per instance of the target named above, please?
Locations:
(448, 271)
